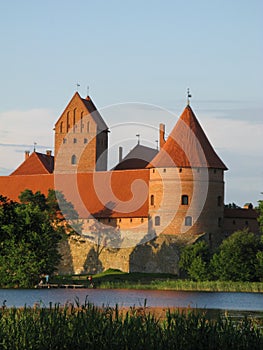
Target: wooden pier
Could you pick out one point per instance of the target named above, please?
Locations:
(52, 285)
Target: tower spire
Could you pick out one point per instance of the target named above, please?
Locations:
(188, 97)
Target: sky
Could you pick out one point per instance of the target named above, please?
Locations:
(142, 52)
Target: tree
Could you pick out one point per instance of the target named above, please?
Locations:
(194, 260)
(260, 217)
(29, 235)
(236, 259)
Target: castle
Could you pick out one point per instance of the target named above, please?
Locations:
(135, 216)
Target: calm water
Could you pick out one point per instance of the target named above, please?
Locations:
(122, 297)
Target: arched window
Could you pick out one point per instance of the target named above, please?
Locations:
(87, 126)
(68, 124)
(81, 122)
(74, 120)
(152, 199)
(74, 140)
(157, 221)
(74, 160)
(61, 127)
(85, 140)
(184, 199)
(188, 221)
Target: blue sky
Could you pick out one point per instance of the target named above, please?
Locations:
(137, 51)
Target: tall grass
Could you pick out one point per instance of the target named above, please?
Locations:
(89, 327)
(188, 285)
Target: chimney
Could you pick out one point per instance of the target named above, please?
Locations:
(48, 152)
(120, 154)
(27, 154)
(161, 135)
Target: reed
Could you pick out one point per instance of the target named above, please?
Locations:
(187, 285)
(89, 327)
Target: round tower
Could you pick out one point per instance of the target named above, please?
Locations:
(186, 187)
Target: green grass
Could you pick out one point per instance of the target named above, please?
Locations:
(88, 327)
(136, 280)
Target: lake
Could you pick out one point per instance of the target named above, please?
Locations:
(130, 297)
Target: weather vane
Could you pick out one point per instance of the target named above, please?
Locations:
(35, 146)
(88, 90)
(78, 85)
(138, 135)
(188, 96)
(157, 144)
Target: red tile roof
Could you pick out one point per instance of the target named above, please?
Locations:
(36, 163)
(94, 113)
(107, 194)
(102, 194)
(187, 146)
(138, 158)
(12, 186)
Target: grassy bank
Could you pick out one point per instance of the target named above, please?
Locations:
(88, 327)
(136, 280)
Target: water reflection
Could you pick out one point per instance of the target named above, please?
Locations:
(122, 297)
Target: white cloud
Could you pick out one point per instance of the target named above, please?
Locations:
(18, 132)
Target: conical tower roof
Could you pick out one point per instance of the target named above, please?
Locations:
(187, 146)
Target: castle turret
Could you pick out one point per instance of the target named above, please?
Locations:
(186, 190)
(81, 138)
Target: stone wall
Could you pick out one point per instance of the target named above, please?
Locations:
(81, 256)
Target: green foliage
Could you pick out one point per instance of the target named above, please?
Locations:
(260, 218)
(29, 235)
(194, 260)
(238, 258)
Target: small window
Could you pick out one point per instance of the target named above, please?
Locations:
(152, 199)
(73, 160)
(246, 223)
(85, 140)
(219, 201)
(119, 220)
(131, 220)
(180, 170)
(61, 127)
(68, 125)
(188, 221)
(184, 199)
(234, 222)
(142, 220)
(164, 170)
(214, 171)
(64, 140)
(81, 122)
(87, 126)
(153, 170)
(219, 222)
(109, 220)
(74, 140)
(157, 220)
